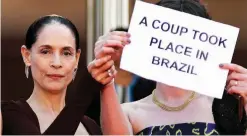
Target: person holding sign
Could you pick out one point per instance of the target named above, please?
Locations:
(170, 110)
(51, 54)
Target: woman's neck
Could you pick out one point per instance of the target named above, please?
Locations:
(166, 93)
(47, 101)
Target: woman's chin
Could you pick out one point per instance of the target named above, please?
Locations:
(55, 88)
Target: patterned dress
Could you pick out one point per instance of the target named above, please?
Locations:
(194, 128)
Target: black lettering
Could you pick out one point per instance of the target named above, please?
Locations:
(165, 61)
(202, 55)
(222, 42)
(188, 51)
(192, 71)
(195, 33)
(201, 37)
(170, 47)
(160, 45)
(154, 23)
(183, 30)
(162, 27)
(144, 21)
(176, 49)
(197, 53)
(181, 68)
(173, 27)
(213, 39)
(174, 65)
(153, 40)
(188, 69)
(156, 60)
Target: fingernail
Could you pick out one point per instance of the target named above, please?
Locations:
(128, 34)
(221, 65)
(129, 41)
(108, 57)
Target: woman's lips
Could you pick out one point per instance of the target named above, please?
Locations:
(55, 76)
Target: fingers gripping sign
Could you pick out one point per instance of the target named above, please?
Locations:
(236, 80)
(111, 44)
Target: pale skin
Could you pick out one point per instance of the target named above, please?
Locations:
(144, 113)
(52, 59)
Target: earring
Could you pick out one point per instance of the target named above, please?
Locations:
(74, 74)
(27, 71)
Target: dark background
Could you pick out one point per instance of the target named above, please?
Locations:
(17, 15)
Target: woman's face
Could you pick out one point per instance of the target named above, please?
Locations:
(53, 58)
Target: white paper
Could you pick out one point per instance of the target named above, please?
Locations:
(206, 77)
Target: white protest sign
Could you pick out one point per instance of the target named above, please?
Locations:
(179, 49)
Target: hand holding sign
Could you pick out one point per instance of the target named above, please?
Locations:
(112, 44)
(176, 45)
(107, 49)
(236, 80)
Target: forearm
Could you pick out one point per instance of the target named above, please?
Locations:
(113, 119)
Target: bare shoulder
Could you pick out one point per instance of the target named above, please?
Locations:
(133, 110)
(136, 105)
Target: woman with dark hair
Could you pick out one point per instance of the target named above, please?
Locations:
(170, 110)
(52, 53)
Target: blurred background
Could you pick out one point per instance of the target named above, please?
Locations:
(92, 18)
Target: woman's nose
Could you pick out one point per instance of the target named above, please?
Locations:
(56, 61)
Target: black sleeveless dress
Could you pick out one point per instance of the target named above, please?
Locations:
(19, 118)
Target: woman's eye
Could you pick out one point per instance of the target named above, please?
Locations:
(45, 51)
(67, 53)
